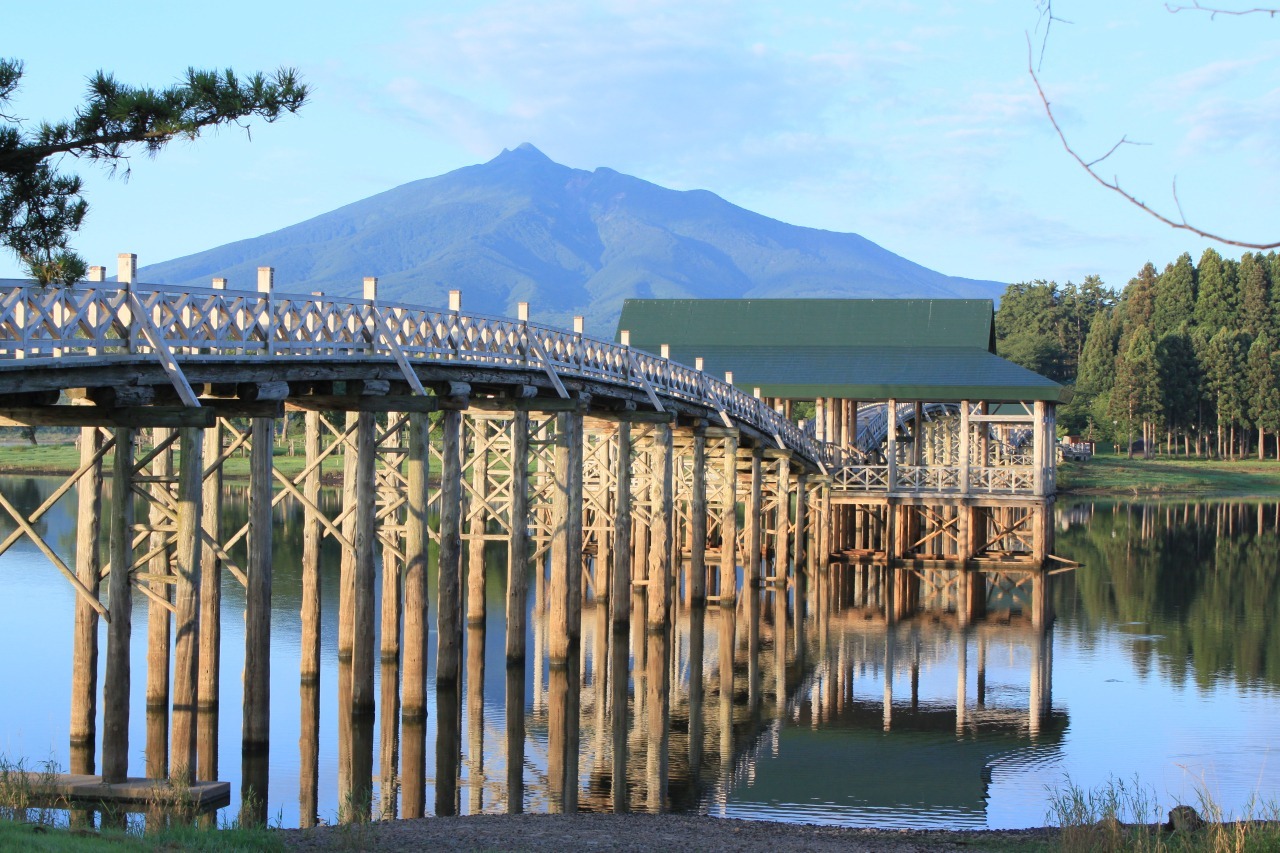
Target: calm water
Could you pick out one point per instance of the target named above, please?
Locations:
(1159, 657)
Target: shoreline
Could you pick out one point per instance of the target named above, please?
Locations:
(622, 833)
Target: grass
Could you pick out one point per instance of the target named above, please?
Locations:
(1122, 815)
(65, 459)
(1170, 476)
(29, 821)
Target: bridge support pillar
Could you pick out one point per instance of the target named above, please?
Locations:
(115, 690)
(84, 666)
(518, 543)
(448, 597)
(186, 594)
(696, 581)
(566, 539)
(211, 610)
(660, 539)
(755, 523)
(620, 574)
(729, 522)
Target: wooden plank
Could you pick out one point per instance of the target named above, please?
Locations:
(86, 416)
(88, 790)
(355, 403)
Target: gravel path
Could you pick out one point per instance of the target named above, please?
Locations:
(635, 832)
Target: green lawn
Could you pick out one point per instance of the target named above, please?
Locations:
(1107, 474)
(65, 459)
(39, 837)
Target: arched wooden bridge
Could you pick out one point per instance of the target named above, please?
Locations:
(613, 471)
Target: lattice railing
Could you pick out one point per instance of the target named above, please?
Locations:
(928, 478)
(96, 320)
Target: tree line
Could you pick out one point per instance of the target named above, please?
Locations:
(1186, 357)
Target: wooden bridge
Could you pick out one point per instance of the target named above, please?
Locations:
(611, 469)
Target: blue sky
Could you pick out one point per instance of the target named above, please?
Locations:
(915, 125)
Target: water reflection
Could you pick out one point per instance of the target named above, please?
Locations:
(866, 697)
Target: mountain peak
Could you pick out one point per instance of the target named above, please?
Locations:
(525, 151)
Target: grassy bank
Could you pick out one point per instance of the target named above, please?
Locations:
(1169, 476)
(39, 837)
(65, 459)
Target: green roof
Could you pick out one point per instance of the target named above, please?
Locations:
(810, 322)
(861, 349)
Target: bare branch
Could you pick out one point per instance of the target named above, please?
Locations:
(1114, 184)
(1047, 18)
(1215, 12)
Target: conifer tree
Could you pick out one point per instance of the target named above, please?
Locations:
(1179, 383)
(1175, 302)
(1255, 294)
(1140, 299)
(1218, 295)
(41, 208)
(1264, 395)
(1135, 396)
(1225, 361)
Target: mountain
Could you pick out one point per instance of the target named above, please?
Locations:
(522, 228)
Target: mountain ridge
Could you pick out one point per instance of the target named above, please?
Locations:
(523, 228)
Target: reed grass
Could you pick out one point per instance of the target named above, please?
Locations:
(1125, 815)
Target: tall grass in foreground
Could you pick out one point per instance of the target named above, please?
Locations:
(1122, 815)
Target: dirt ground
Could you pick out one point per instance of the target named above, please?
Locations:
(636, 832)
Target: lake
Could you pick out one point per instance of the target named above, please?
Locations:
(1158, 659)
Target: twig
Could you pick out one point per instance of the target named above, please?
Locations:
(1215, 12)
(1114, 184)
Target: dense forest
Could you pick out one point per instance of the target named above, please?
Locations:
(1183, 360)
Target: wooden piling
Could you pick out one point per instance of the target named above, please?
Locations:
(476, 529)
(515, 731)
(697, 579)
(782, 522)
(729, 523)
(210, 611)
(449, 601)
(566, 537)
(84, 649)
(158, 625)
(309, 664)
(115, 690)
(659, 559)
(518, 543)
(620, 591)
(414, 700)
(186, 600)
(255, 732)
(755, 522)
(364, 570)
(475, 717)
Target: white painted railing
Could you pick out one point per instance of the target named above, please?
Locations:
(96, 320)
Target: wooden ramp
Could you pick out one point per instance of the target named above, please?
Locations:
(76, 790)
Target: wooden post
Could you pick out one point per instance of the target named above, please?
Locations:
(84, 660)
(363, 568)
(891, 443)
(186, 664)
(255, 732)
(917, 435)
(476, 527)
(475, 715)
(1041, 447)
(158, 628)
(754, 522)
(449, 615)
(729, 523)
(620, 591)
(210, 612)
(311, 538)
(518, 545)
(697, 580)
(659, 574)
(782, 522)
(414, 703)
(801, 538)
(566, 537)
(115, 689)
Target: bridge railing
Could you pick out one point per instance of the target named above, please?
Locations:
(99, 320)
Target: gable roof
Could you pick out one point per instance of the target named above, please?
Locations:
(861, 349)
(811, 322)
